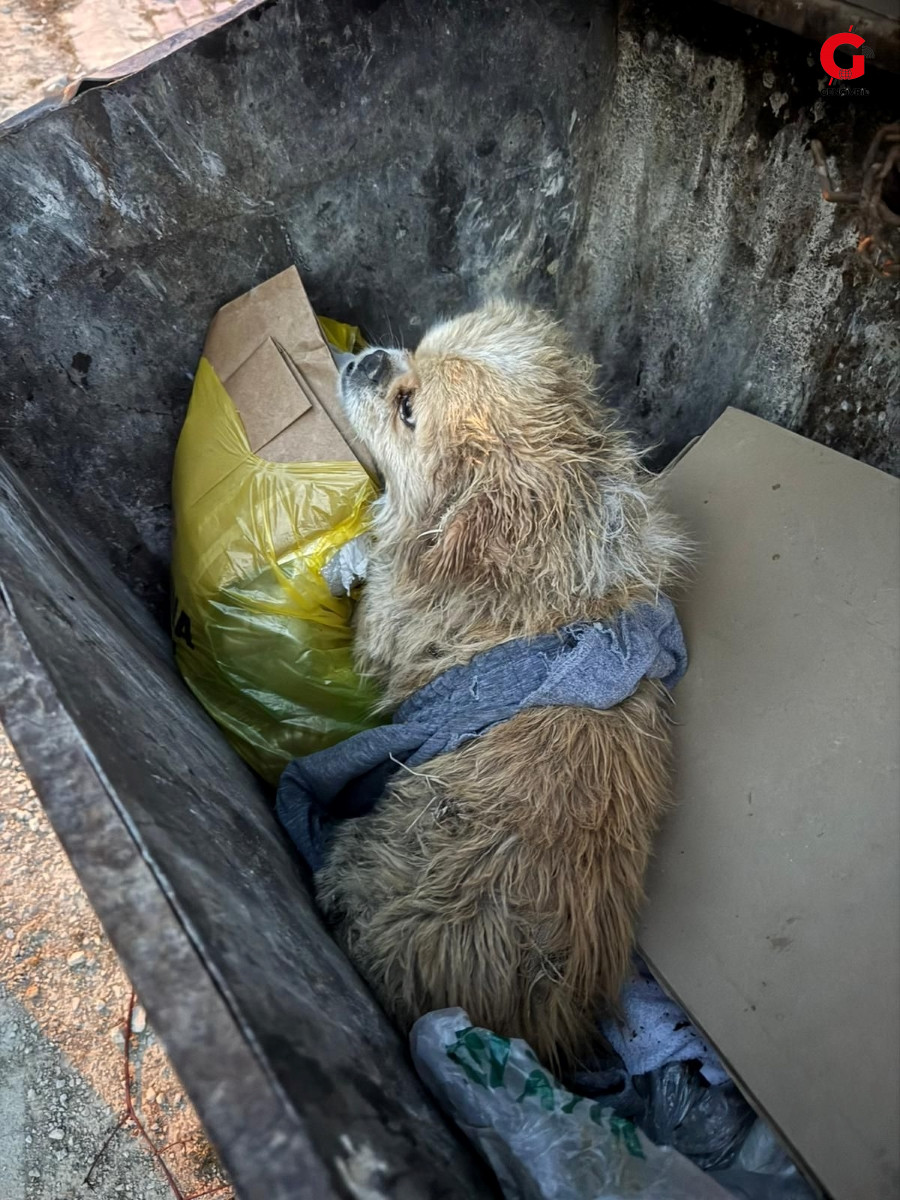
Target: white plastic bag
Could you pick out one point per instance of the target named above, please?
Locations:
(543, 1142)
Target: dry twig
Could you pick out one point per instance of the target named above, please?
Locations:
(130, 1117)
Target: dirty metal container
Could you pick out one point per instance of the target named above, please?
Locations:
(643, 171)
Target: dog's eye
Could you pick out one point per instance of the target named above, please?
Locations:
(404, 408)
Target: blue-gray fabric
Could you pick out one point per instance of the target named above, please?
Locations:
(583, 665)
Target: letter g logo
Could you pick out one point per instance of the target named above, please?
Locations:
(826, 56)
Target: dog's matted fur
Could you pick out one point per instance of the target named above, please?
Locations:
(505, 876)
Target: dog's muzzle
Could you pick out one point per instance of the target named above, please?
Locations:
(367, 375)
(375, 366)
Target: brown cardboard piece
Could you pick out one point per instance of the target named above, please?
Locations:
(774, 898)
(268, 350)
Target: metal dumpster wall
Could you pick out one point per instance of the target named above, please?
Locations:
(645, 172)
(300, 1080)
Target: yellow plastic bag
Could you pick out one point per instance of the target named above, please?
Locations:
(345, 338)
(259, 638)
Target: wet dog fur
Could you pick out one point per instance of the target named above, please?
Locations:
(506, 876)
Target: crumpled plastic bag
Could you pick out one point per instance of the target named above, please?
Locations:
(708, 1124)
(259, 637)
(542, 1141)
(661, 1074)
(346, 570)
(762, 1170)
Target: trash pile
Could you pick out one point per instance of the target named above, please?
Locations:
(658, 1118)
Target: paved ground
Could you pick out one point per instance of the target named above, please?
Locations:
(45, 44)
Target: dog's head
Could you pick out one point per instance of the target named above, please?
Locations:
(493, 449)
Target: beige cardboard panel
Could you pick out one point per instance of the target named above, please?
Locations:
(333, 429)
(277, 308)
(774, 898)
(266, 394)
(301, 380)
(308, 441)
(284, 424)
(343, 430)
(321, 377)
(317, 367)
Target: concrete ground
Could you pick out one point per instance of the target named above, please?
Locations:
(64, 999)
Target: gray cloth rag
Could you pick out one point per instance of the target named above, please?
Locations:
(583, 665)
(654, 1031)
(654, 1037)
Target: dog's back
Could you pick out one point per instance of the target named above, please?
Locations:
(505, 877)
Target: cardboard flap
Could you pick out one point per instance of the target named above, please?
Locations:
(276, 309)
(268, 350)
(267, 394)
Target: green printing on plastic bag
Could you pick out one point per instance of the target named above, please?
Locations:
(483, 1057)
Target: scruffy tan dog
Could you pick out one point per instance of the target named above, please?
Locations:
(503, 877)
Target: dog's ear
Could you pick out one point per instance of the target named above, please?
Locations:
(476, 539)
(490, 530)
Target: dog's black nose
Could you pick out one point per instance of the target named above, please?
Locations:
(376, 365)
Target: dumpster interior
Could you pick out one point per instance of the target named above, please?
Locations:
(644, 172)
